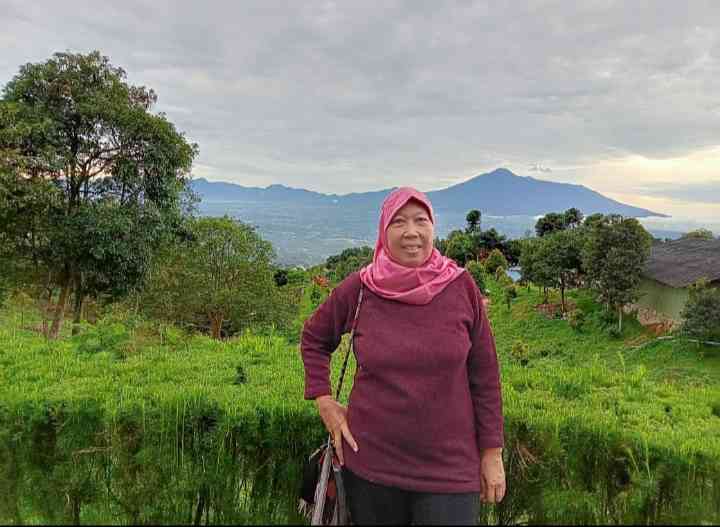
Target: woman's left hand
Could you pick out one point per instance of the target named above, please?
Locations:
(492, 476)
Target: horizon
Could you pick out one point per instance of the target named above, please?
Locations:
(353, 98)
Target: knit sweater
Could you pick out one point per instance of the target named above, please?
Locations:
(426, 397)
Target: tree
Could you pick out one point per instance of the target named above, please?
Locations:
(477, 272)
(701, 314)
(558, 221)
(473, 219)
(561, 259)
(495, 260)
(613, 256)
(573, 218)
(221, 276)
(701, 233)
(459, 246)
(281, 277)
(535, 267)
(593, 219)
(72, 123)
(349, 261)
(551, 222)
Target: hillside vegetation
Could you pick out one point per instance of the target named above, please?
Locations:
(127, 422)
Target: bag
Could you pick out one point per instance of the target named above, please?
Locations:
(323, 499)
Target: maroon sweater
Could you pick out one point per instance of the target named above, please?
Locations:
(426, 396)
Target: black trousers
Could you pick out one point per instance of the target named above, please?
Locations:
(374, 504)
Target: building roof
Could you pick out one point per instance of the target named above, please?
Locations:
(678, 263)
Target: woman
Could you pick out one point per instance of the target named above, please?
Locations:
(422, 436)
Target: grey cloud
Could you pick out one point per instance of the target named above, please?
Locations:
(707, 192)
(353, 93)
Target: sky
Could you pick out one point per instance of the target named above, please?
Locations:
(620, 96)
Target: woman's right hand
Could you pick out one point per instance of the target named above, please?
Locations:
(334, 416)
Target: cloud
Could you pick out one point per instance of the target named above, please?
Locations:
(705, 192)
(537, 167)
(350, 96)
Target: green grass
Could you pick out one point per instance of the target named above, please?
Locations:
(677, 361)
(587, 408)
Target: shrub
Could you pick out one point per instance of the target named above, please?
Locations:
(494, 260)
(520, 351)
(701, 314)
(477, 271)
(510, 293)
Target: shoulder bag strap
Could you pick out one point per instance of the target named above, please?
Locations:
(350, 346)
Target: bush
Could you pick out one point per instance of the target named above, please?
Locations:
(477, 271)
(701, 314)
(520, 351)
(509, 294)
(494, 260)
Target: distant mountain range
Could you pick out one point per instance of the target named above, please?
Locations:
(305, 227)
(497, 193)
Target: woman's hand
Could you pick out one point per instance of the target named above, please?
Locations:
(492, 476)
(333, 415)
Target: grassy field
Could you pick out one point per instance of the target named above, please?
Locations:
(595, 431)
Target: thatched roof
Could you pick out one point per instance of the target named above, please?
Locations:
(679, 263)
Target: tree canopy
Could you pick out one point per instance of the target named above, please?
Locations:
(84, 158)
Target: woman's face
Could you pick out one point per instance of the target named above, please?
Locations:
(410, 235)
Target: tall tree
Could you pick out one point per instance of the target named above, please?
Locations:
(613, 256)
(74, 122)
(551, 222)
(473, 219)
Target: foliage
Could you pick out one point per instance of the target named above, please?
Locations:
(557, 261)
(220, 279)
(348, 261)
(510, 293)
(512, 251)
(554, 222)
(459, 246)
(520, 352)
(281, 277)
(477, 271)
(701, 313)
(86, 158)
(614, 256)
(494, 261)
(474, 221)
(297, 276)
(700, 233)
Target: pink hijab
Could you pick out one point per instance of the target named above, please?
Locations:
(410, 285)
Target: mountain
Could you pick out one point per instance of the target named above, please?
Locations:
(497, 193)
(305, 227)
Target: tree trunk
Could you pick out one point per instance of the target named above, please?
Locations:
(216, 326)
(78, 306)
(620, 313)
(60, 310)
(562, 295)
(45, 303)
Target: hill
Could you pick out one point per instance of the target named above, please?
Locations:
(499, 193)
